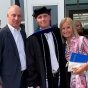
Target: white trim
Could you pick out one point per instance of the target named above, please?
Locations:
(26, 17)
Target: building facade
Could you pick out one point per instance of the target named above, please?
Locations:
(27, 6)
(76, 9)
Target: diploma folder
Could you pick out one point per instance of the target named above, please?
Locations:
(77, 60)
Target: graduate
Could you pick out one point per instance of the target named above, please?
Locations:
(45, 57)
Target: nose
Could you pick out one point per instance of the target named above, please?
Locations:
(16, 18)
(43, 18)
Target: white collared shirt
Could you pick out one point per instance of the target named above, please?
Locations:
(54, 62)
(20, 45)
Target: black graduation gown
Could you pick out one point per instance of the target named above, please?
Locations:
(38, 59)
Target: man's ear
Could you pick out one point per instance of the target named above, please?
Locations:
(7, 15)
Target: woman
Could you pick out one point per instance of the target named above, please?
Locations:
(75, 43)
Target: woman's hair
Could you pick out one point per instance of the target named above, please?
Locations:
(72, 26)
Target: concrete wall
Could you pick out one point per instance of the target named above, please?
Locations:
(4, 5)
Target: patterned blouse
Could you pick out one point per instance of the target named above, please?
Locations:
(79, 45)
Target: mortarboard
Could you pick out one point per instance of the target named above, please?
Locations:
(41, 11)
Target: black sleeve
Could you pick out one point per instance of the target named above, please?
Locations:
(32, 77)
(1, 47)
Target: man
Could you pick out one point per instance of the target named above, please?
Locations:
(79, 27)
(12, 53)
(45, 58)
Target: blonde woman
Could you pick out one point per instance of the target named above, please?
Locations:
(75, 43)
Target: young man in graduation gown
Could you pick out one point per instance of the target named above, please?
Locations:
(45, 58)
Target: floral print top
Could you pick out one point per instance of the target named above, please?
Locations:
(78, 44)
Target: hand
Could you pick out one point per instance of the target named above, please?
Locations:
(0, 86)
(38, 87)
(80, 69)
(77, 70)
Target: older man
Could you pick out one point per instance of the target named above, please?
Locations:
(12, 53)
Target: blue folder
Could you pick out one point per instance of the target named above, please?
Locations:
(80, 58)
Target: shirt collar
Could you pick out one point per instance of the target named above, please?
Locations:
(12, 29)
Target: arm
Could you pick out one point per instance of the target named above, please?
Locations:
(0, 48)
(1, 52)
(32, 79)
(84, 47)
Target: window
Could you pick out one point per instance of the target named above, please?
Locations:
(21, 4)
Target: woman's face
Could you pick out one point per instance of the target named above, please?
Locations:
(66, 30)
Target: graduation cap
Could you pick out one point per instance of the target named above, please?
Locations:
(41, 11)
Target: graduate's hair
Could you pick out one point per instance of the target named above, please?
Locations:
(72, 26)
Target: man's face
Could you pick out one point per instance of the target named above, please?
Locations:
(14, 17)
(79, 27)
(43, 20)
